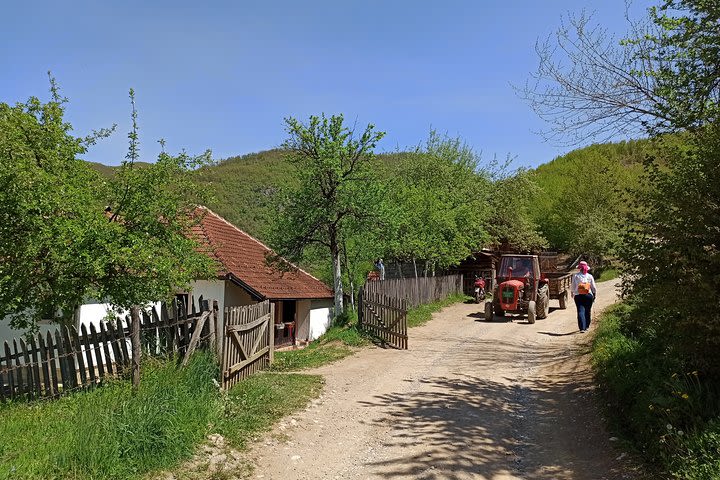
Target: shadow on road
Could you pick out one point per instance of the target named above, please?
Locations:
(472, 427)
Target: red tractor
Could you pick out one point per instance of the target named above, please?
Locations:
(521, 288)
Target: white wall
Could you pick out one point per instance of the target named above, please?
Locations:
(320, 317)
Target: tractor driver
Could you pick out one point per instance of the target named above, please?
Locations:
(524, 268)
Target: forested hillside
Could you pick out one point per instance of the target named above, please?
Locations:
(581, 196)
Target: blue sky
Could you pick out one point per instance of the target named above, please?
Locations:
(223, 75)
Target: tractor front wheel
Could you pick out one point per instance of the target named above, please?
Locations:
(488, 311)
(532, 312)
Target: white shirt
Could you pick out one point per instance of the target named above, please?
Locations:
(579, 278)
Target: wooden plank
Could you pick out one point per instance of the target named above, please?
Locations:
(122, 339)
(79, 358)
(42, 352)
(114, 347)
(239, 366)
(271, 333)
(97, 350)
(136, 348)
(10, 374)
(195, 337)
(85, 338)
(249, 326)
(69, 359)
(30, 385)
(52, 364)
(21, 379)
(62, 360)
(104, 339)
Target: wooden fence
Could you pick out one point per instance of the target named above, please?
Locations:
(49, 365)
(417, 291)
(384, 317)
(248, 343)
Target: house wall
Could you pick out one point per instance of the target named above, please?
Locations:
(236, 296)
(302, 319)
(320, 317)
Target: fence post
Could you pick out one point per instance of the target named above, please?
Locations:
(271, 332)
(135, 341)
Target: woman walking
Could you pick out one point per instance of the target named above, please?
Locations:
(584, 292)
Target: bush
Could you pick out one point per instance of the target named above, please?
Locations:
(666, 409)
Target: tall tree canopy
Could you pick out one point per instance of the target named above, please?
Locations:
(57, 244)
(338, 195)
(439, 200)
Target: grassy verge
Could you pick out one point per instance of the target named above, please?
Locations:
(255, 404)
(668, 413)
(112, 432)
(420, 315)
(608, 274)
(337, 343)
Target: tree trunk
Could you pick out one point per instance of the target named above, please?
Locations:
(399, 269)
(352, 295)
(415, 267)
(337, 279)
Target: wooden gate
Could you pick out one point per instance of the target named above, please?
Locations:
(248, 344)
(384, 317)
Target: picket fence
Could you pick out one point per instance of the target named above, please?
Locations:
(53, 364)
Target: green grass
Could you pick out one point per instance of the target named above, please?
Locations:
(420, 315)
(667, 412)
(254, 405)
(112, 432)
(608, 274)
(337, 343)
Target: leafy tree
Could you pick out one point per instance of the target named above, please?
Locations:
(510, 223)
(58, 246)
(440, 203)
(338, 191)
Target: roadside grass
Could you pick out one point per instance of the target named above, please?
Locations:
(421, 315)
(669, 414)
(337, 343)
(113, 433)
(254, 405)
(608, 274)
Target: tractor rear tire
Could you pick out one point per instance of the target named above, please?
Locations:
(563, 300)
(532, 312)
(488, 311)
(543, 303)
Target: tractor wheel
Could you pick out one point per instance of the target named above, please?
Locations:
(532, 309)
(488, 311)
(543, 303)
(563, 300)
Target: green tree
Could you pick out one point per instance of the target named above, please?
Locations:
(439, 200)
(510, 223)
(58, 246)
(338, 191)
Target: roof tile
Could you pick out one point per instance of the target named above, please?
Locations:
(244, 257)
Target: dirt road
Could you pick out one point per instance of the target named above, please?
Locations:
(469, 399)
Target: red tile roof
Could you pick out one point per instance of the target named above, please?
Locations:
(241, 258)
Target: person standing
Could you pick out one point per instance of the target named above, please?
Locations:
(584, 293)
(381, 268)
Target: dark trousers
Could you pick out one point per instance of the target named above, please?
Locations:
(584, 306)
